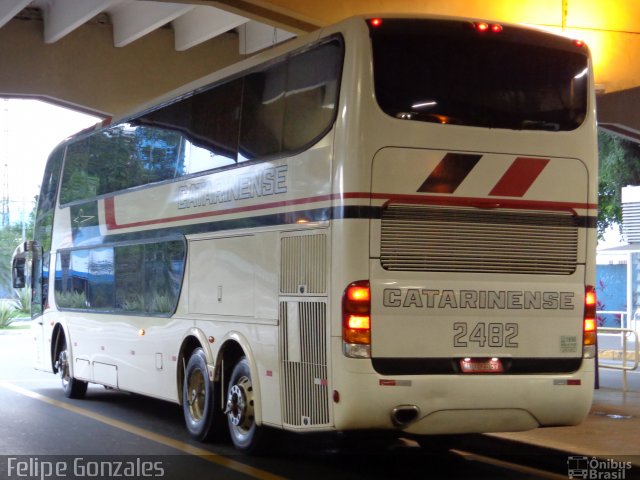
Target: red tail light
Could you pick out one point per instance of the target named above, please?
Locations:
(356, 313)
(375, 22)
(590, 324)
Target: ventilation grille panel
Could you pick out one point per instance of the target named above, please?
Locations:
(303, 265)
(447, 239)
(303, 350)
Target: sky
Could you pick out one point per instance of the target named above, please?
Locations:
(29, 131)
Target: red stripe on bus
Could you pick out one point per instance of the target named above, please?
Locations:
(112, 224)
(449, 173)
(519, 177)
(110, 212)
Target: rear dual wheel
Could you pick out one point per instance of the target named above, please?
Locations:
(246, 435)
(201, 416)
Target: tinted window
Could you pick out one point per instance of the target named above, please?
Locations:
(273, 111)
(448, 72)
(311, 95)
(43, 232)
(47, 200)
(143, 278)
(208, 123)
(118, 158)
(263, 113)
(100, 278)
(79, 180)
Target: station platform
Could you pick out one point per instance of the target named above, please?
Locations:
(610, 431)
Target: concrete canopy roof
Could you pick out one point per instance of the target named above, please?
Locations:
(107, 56)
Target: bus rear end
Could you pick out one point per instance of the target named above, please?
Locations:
(478, 313)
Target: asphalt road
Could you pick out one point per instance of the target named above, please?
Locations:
(113, 434)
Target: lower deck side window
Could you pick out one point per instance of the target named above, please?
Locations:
(134, 278)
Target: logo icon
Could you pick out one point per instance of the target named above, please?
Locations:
(578, 467)
(597, 468)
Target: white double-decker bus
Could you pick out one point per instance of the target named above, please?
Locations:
(388, 224)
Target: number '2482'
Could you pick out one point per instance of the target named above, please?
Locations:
(485, 334)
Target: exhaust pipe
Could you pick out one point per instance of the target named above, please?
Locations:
(403, 415)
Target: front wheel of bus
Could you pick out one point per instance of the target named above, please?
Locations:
(245, 434)
(72, 387)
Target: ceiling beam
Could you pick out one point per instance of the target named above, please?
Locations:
(84, 71)
(10, 8)
(264, 12)
(136, 19)
(201, 24)
(256, 36)
(61, 17)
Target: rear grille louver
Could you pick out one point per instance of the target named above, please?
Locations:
(303, 349)
(303, 264)
(467, 239)
(304, 333)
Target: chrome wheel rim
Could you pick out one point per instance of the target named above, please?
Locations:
(62, 366)
(240, 405)
(196, 395)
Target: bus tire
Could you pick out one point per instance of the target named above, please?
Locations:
(245, 434)
(198, 397)
(72, 387)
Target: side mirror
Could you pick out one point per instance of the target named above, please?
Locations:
(19, 263)
(19, 275)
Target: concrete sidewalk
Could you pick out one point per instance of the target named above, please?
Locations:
(611, 430)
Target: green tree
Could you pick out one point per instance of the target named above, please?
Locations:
(619, 167)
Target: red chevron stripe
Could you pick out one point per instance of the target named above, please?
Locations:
(519, 177)
(449, 173)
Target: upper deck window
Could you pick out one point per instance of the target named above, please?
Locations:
(451, 72)
(271, 111)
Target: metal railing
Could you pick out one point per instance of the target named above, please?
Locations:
(624, 319)
(624, 334)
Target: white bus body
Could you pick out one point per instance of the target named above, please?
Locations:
(419, 267)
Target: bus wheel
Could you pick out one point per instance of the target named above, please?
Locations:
(197, 397)
(72, 387)
(245, 434)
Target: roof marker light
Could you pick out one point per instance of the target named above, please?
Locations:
(487, 27)
(375, 22)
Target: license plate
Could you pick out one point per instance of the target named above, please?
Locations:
(481, 365)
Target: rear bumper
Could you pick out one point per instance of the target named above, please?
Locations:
(461, 403)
